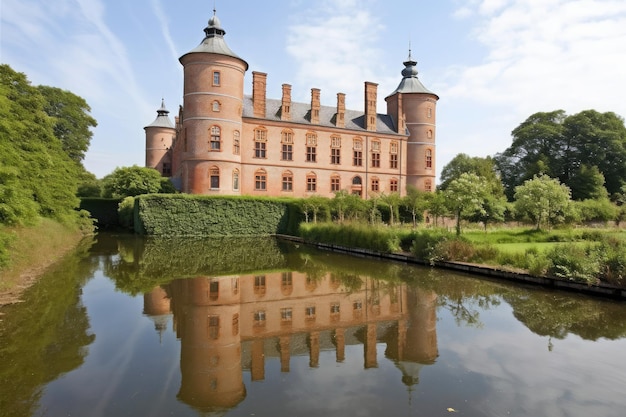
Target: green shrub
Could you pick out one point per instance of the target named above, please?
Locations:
(381, 239)
(613, 269)
(125, 212)
(426, 241)
(574, 263)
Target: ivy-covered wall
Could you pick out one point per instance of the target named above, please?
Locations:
(193, 215)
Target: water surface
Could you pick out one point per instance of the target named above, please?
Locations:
(145, 327)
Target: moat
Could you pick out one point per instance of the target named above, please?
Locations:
(129, 326)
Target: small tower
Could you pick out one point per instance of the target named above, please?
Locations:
(159, 139)
(212, 115)
(413, 108)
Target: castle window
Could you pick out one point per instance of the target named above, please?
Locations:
(214, 290)
(375, 159)
(311, 183)
(259, 284)
(375, 184)
(393, 155)
(214, 177)
(236, 143)
(429, 158)
(335, 156)
(236, 180)
(287, 181)
(335, 141)
(286, 314)
(311, 147)
(216, 78)
(286, 285)
(214, 327)
(260, 180)
(335, 183)
(287, 145)
(309, 313)
(430, 112)
(216, 106)
(428, 185)
(334, 308)
(393, 185)
(216, 139)
(166, 169)
(260, 143)
(356, 181)
(429, 134)
(357, 157)
(259, 318)
(235, 324)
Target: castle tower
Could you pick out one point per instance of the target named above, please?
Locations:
(413, 108)
(212, 109)
(159, 139)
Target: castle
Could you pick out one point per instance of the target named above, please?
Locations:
(226, 143)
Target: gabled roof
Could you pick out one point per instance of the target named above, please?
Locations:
(301, 114)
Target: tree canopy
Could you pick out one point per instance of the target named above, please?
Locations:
(37, 177)
(542, 200)
(585, 151)
(135, 180)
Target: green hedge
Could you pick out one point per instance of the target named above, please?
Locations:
(193, 215)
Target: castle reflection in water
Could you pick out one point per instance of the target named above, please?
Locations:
(230, 324)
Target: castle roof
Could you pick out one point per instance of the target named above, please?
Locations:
(162, 119)
(214, 42)
(301, 114)
(410, 83)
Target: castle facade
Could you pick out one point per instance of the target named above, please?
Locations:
(226, 143)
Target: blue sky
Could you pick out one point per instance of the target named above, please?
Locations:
(493, 63)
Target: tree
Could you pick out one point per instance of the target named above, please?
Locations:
(71, 120)
(415, 202)
(392, 201)
(567, 148)
(483, 167)
(38, 178)
(436, 205)
(132, 181)
(542, 199)
(465, 196)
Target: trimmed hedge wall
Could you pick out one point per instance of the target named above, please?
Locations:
(193, 215)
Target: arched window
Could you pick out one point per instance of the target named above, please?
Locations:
(393, 185)
(429, 134)
(429, 158)
(357, 181)
(236, 143)
(215, 143)
(236, 180)
(311, 182)
(260, 180)
(214, 177)
(375, 184)
(335, 183)
(216, 106)
(287, 181)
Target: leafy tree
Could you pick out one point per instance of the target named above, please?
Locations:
(392, 201)
(465, 197)
(567, 148)
(37, 175)
(314, 205)
(493, 210)
(71, 120)
(436, 205)
(132, 181)
(542, 199)
(483, 167)
(415, 202)
(345, 205)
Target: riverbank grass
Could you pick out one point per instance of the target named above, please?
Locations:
(29, 250)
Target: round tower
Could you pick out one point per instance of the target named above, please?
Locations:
(159, 139)
(212, 115)
(414, 109)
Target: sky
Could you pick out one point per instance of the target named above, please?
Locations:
(493, 63)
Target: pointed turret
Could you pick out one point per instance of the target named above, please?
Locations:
(159, 140)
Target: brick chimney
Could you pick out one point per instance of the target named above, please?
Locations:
(370, 105)
(340, 121)
(315, 106)
(259, 82)
(285, 110)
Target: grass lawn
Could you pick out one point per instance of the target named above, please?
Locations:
(541, 247)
